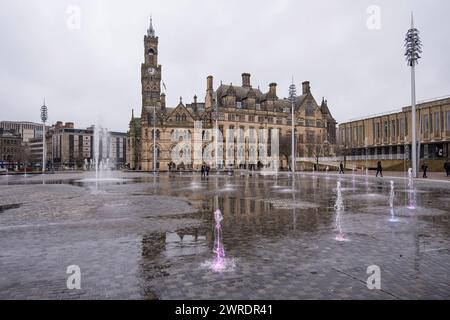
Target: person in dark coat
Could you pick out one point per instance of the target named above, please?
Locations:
(379, 169)
(341, 168)
(425, 169)
(447, 167)
(203, 170)
(207, 170)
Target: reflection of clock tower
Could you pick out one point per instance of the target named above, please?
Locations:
(151, 73)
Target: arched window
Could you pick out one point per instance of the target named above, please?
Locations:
(178, 118)
(156, 149)
(183, 117)
(151, 52)
(157, 135)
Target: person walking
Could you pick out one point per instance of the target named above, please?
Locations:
(447, 167)
(425, 169)
(341, 168)
(203, 170)
(207, 170)
(379, 169)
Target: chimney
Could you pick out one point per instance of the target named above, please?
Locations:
(69, 125)
(195, 103)
(163, 99)
(209, 83)
(273, 89)
(306, 87)
(246, 80)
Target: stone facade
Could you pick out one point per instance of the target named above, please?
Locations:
(239, 107)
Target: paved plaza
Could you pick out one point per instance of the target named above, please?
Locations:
(137, 236)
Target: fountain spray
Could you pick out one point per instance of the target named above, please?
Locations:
(339, 208)
(391, 203)
(219, 262)
(411, 205)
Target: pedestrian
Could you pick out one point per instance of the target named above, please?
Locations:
(447, 167)
(207, 170)
(341, 168)
(425, 169)
(203, 170)
(379, 169)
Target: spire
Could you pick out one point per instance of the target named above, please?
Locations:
(132, 114)
(412, 20)
(150, 30)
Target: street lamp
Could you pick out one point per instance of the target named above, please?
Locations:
(154, 139)
(292, 96)
(413, 47)
(44, 117)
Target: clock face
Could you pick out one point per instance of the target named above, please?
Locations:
(151, 71)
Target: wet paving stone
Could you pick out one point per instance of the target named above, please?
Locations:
(147, 237)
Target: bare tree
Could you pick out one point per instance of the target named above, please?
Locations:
(285, 147)
(23, 155)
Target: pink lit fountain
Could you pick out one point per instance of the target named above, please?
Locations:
(219, 263)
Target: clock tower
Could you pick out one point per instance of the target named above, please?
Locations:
(150, 72)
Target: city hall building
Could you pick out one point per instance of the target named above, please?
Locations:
(237, 108)
(388, 136)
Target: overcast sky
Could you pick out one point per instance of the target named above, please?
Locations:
(93, 70)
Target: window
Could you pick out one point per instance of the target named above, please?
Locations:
(385, 129)
(437, 124)
(431, 123)
(309, 112)
(156, 134)
(424, 123)
(239, 105)
(447, 121)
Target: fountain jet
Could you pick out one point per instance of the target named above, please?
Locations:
(391, 203)
(339, 208)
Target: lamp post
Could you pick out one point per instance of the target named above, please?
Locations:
(292, 96)
(154, 139)
(44, 117)
(413, 47)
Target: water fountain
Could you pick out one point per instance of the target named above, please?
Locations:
(410, 192)
(339, 208)
(219, 263)
(391, 203)
(100, 162)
